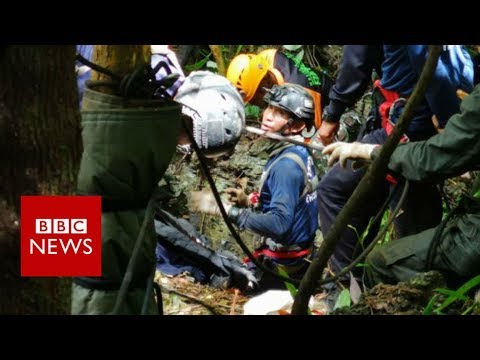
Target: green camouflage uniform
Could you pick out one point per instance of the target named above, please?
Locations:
(451, 153)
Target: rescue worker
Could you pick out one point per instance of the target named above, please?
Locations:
(453, 247)
(127, 176)
(354, 75)
(288, 212)
(401, 67)
(251, 74)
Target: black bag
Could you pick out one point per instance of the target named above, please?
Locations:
(181, 248)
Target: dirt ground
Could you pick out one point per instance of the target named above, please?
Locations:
(181, 296)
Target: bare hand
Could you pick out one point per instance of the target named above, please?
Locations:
(461, 94)
(237, 197)
(436, 124)
(204, 201)
(327, 132)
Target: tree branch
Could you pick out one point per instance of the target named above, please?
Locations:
(217, 55)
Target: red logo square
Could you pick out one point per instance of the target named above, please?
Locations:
(61, 236)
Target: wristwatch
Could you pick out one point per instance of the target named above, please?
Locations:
(234, 213)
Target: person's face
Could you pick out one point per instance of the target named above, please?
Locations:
(274, 119)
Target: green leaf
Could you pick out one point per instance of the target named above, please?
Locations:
(365, 232)
(470, 308)
(477, 194)
(252, 111)
(449, 292)
(459, 294)
(362, 265)
(199, 64)
(290, 287)
(356, 232)
(461, 290)
(429, 308)
(343, 300)
(239, 48)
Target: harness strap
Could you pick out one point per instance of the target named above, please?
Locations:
(276, 250)
(278, 75)
(277, 247)
(386, 108)
(309, 185)
(282, 254)
(317, 101)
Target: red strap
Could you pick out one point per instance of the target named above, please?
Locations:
(278, 254)
(391, 179)
(284, 254)
(384, 108)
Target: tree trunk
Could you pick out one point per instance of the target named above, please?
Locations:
(40, 153)
(119, 59)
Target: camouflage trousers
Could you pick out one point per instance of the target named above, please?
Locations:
(457, 254)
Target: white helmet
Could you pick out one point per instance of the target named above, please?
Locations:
(217, 111)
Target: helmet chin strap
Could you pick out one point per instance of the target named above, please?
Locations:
(308, 134)
(286, 126)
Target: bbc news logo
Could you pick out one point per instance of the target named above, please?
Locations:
(60, 226)
(61, 236)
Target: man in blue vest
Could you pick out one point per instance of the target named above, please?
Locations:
(287, 217)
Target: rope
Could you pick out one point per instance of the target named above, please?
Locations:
(127, 279)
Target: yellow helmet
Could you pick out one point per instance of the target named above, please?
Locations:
(246, 71)
(252, 76)
(269, 56)
(237, 67)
